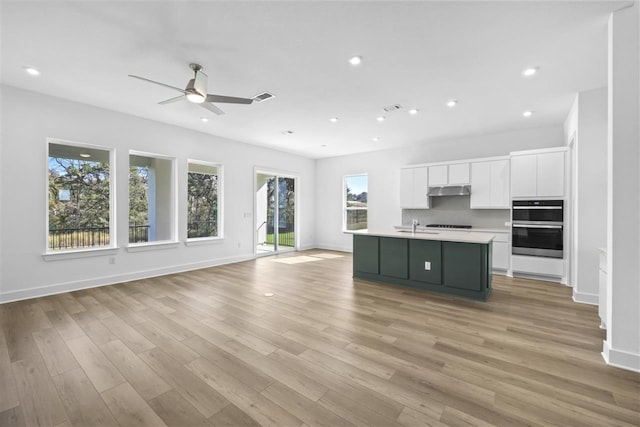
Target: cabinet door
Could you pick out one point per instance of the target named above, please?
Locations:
(459, 174)
(420, 187)
(480, 185)
(500, 256)
(425, 261)
(406, 188)
(462, 265)
(499, 184)
(438, 175)
(394, 254)
(365, 254)
(550, 174)
(524, 175)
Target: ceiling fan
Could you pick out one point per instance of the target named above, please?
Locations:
(196, 92)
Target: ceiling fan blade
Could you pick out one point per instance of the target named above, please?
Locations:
(170, 100)
(200, 84)
(158, 83)
(228, 99)
(211, 108)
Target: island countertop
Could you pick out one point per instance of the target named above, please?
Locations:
(445, 236)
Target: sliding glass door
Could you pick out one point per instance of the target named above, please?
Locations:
(275, 207)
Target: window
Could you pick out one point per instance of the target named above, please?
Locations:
(80, 197)
(151, 198)
(355, 202)
(203, 199)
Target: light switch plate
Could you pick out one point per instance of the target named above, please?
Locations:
(427, 265)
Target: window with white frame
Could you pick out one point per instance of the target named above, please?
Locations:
(355, 191)
(80, 197)
(151, 198)
(204, 188)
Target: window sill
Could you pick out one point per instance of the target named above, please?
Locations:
(152, 246)
(79, 253)
(199, 241)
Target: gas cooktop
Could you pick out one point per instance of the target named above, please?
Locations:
(447, 226)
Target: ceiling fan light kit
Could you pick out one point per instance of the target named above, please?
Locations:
(196, 92)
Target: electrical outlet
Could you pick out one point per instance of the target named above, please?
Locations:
(112, 260)
(427, 265)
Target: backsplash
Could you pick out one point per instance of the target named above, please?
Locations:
(455, 210)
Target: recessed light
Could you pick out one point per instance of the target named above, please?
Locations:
(531, 71)
(452, 103)
(204, 119)
(333, 119)
(287, 132)
(375, 139)
(381, 118)
(528, 113)
(413, 111)
(323, 145)
(31, 71)
(355, 60)
(85, 155)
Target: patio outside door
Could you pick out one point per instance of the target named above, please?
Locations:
(275, 213)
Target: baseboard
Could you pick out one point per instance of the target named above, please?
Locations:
(584, 298)
(334, 248)
(619, 358)
(118, 278)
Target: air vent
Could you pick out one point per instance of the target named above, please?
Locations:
(391, 108)
(263, 97)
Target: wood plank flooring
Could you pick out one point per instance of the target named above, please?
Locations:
(208, 348)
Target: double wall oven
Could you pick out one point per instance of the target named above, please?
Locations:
(537, 228)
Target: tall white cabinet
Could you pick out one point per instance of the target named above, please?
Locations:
(414, 187)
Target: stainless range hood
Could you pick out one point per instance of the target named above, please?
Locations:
(449, 190)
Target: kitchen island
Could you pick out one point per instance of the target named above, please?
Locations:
(447, 262)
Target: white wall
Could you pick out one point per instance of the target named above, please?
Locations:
(622, 346)
(383, 168)
(29, 118)
(587, 121)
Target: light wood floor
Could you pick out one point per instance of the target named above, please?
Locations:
(208, 348)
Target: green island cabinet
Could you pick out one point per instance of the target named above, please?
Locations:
(456, 268)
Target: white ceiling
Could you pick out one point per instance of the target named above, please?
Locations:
(417, 54)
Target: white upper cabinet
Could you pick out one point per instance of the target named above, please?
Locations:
(452, 174)
(414, 187)
(459, 174)
(490, 185)
(538, 175)
(438, 175)
(550, 178)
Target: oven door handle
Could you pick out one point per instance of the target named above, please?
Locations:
(535, 226)
(537, 207)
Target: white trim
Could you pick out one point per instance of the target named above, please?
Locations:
(619, 358)
(200, 241)
(584, 298)
(563, 148)
(119, 278)
(81, 253)
(453, 162)
(152, 246)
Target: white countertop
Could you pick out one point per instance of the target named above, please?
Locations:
(462, 236)
(464, 230)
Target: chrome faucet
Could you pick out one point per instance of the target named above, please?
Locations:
(414, 225)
